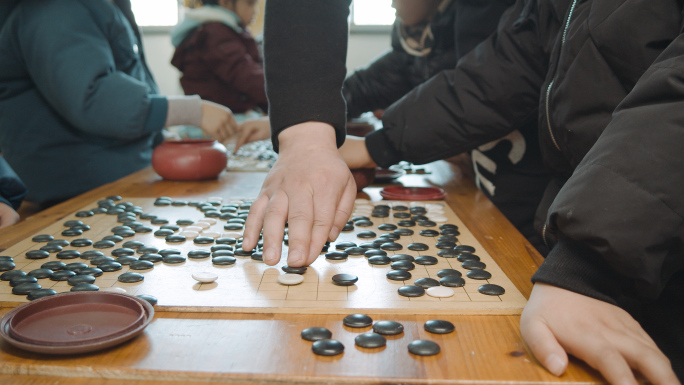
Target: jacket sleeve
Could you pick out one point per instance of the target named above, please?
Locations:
(305, 48)
(12, 190)
(620, 217)
(70, 59)
(493, 91)
(230, 62)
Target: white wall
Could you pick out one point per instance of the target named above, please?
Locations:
(363, 47)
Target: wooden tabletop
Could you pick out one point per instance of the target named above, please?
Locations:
(267, 348)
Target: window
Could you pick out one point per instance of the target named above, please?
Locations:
(156, 13)
(372, 12)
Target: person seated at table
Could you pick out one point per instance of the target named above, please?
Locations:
(218, 56)
(12, 191)
(563, 63)
(79, 107)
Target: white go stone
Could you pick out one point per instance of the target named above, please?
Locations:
(212, 234)
(203, 225)
(437, 218)
(431, 206)
(231, 234)
(189, 234)
(290, 279)
(217, 199)
(115, 290)
(205, 276)
(417, 204)
(193, 228)
(440, 291)
(210, 221)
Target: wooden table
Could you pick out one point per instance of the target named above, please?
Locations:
(267, 348)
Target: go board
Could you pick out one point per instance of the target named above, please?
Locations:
(249, 285)
(254, 156)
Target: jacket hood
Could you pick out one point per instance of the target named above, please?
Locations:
(419, 40)
(205, 14)
(6, 8)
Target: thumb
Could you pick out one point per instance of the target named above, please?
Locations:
(544, 344)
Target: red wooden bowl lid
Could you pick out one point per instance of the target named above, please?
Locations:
(413, 193)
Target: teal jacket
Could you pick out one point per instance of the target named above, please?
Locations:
(78, 105)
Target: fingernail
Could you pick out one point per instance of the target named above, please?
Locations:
(555, 365)
(296, 258)
(269, 256)
(334, 233)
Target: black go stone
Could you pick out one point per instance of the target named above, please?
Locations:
(366, 234)
(344, 279)
(36, 294)
(143, 229)
(364, 223)
(173, 228)
(379, 260)
(10, 275)
(426, 283)
(125, 233)
(445, 245)
(147, 217)
(84, 214)
(387, 227)
(37, 254)
(42, 238)
(131, 277)
(151, 257)
(85, 287)
(54, 265)
(473, 265)
(344, 245)
(452, 281)
(381, 207)
(72, 223)
(222, 253)
(126, 259)
(411, 291)
(429, 233)
(336, 255)
(448, 253)
(198, 254)
(418, 246)
(163, 233)
(147, 250)
(99, 210)
(243, 253)
(420, 218)
(316, 333)
(226, 241)
(388, 328)
(101, 259)
(203, 240)
(402, 265)
(81, 242)
(75, 266)
(347, 228)
(327, 347)
(179, 203)
(398, 275)
(159, 221)
(390, 236)
(123, 251)
(25, 288)
(149, 298)
(360, 218)
(355, 251)
(450, 232)
(72, 232)
(221, 247)
(6, 258)
(294, 270)
(233, 226)
(417, 210)
(185, 222)
(426, 260)
(91, 254)
(370, 340)
(427, 223)
(175, 238)
(404, 232)
(491, 289)
(258, 256)
(380, 214)
(438, 326)
(478, 274)
(223, 261)
(110, 266)
(62, 275)
(81, 227)
(448, 272)
(402, 257)
(132, 245)
(400, 208)
(406, 223)
(173, 259)
(373, 252)
(402, 215)
(59, 242)
(119, 228)
(370, 245)
(467, 257)
(391, 246)
(465, 249)
(212, 214)
(448, 226)
(141, 265)
(423, 348)
(25, 279)
(357, 321)
(113, 238)
(7, 265)
(166, 252)
(104, 244)
(162, 202)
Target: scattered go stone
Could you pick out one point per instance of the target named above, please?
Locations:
(25, 279)
(473, 265)
(398, 275)
(9, 275)
(370, 340)
(348, 227)
(448, 226)
(141, 265)
(406, 223)
(355, 250)
(438, 326)
(72, 232)
(41, 273)
(411, 291)
(94, 271)
(465, 249)
(147, 217)
(387, 227)
(491, 289)
(344, 245)
(391, 246)
(402, 257)
(6, 258)
(204, 276)
(427, 223)
(143, 229)
(478, 274)
(294, 270)
(37, 294)
(43, 238)
(400, 208)
(450, 232)
(7, 265)
(404, 232)
(402, 215)
(72, 223)
(402, 265)
(366, 234)
(426, 260)
(223, 261)
(226, 241)
(151, 257)
(100, 260)
(344, 279)
(222, 253)
(54, 265)
(173, 228)
(173, 259)
(390, 236)
(360, 218)
(62, 275)
(316, 333)
(370, 245)
(452, 281)
(132, 245)
(357, 321)
(69, 254)
(84, 214)
(131, 277)
(440, 292)
(429, 233)
(221, 247)
(79, 279)
(199, 254)
(448, 253)
(467, 257)
(37, 254)
(388, 328)
(336, 255)
(233, 226)
(103, 244)
(147, 250)
(364, 223)
(59, 242)
(163, 233)
(327, 347)
(124, 251)
(418, 247)
(379, 260)
(445, 245)
(258, 256)
(426, 282)
(126, 259)
(175, 238)
(149, 298)
(243, 253)
(423, 348)
(446, 272)
(166, 252)
(85, 287)
(25, 288)
(290, 279)
(159, 221)
(125, 233)
(373, 252)
(184, 222)
(203, 240)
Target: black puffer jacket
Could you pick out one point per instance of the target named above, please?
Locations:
(457, 29)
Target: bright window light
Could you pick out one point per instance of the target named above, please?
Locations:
(155, 12)
(373, 12)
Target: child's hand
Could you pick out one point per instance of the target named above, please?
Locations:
(556, 321)
(355, 153)
(252, 130)
(8, 216)
(217, 121)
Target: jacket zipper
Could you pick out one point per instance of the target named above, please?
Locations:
(544, 236)
(548, 89)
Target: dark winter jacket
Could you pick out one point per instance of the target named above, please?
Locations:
(78, 105)
(12, 190)
(220, 63)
